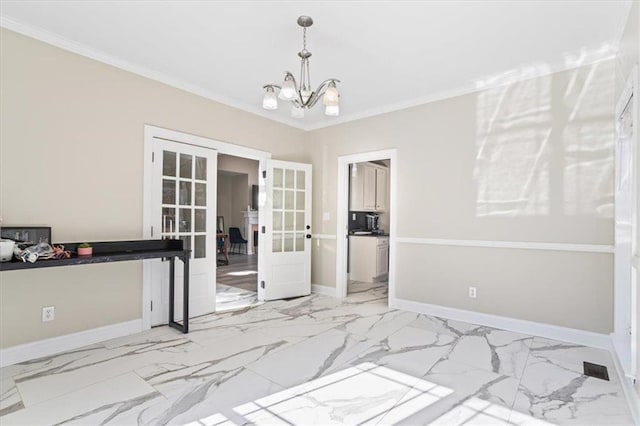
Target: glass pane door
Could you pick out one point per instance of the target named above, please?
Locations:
(184, 200)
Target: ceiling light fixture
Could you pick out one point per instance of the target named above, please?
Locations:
(301, 96)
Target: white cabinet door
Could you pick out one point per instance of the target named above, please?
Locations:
(381, 189)
(382, 263)
(369, 199)
(356, 188)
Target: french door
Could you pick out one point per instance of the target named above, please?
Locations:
(184, 206)
(285, 269)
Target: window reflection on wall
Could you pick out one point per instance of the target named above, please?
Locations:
(544, 146)
(514, 124)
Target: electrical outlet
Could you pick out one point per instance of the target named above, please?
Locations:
(48, 313)
(353, 216)
(472, 292)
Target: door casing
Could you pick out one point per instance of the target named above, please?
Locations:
(342, 211)
(625, 331)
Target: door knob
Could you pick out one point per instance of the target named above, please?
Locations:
(308, 235)
(308, 227)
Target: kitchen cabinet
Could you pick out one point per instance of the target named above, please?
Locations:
(368, 258)
(368, 188)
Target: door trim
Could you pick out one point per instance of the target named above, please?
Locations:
(151, 133)
(343, 211)
(621, 341)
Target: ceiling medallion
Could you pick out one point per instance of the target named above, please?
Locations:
(300, 95)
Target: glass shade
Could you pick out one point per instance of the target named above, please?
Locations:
(297, 112)
(270, 101)
(332, 110)
(331, 96)
(288, 91)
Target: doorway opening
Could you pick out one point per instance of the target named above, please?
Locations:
(368, 218)
(365, 253)
(237, 233)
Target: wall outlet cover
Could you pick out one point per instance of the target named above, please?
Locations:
(473, 292)
(48, 313)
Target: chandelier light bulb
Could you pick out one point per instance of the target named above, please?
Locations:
(270, 101)
(288, 91)
(331, 96)
(332, 110)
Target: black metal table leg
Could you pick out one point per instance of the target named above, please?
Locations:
(184, 327)
(185, 293)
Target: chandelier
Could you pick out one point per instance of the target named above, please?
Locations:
(300, 95)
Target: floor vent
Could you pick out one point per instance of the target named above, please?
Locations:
(595, 370)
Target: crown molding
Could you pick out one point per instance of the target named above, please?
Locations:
(83, 50)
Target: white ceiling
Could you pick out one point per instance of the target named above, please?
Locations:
(389, 55)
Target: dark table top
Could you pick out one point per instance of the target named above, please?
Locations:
(109, 251)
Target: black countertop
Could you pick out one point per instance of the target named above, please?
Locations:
(369, 235)
(104, 252)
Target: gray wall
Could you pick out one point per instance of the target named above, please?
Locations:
(529, 162)
(80, 124)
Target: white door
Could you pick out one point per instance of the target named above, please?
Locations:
(625, 276)
(184, 206)
(285, 213)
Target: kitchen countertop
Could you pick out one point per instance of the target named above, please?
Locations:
(369, 235)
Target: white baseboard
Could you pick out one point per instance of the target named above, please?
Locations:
(564, 334)
(54, 345)
(323, 289)
(630, 393)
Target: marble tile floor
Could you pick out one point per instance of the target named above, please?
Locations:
(231, 298)
(236, 283)
(316, 360)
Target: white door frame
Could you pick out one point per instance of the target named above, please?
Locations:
(622, 342)
(342, 229)
(151, 132)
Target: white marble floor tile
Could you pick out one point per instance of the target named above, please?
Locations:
(409, 350)
(355, 395)
(311, 358)
(317, 360)
(10, 399)
(559, 395)
(379, 326)
(100, 402)
(212, 398)
(41, 385)
(494, 350)
(230, 298)
(571, 356)
(460, 391)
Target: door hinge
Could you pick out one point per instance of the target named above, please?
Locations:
(153, 157)
(152, 230)
(152, 305)
(264, 174)
(264, 229)
(262, 284)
